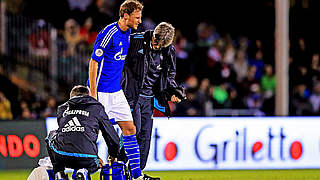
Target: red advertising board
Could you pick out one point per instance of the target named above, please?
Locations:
(22, 143)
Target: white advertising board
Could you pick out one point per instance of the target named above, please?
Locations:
(232, 143)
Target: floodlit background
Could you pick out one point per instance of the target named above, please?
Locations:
(233, 57)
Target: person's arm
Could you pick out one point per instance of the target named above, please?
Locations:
(172, 67)
(100, 47)
(93, 71)
(172, 72)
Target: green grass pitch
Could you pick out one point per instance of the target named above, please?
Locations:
(299, 174)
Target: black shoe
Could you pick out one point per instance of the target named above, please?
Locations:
(61, 176)
(82, 174)
(146, 177)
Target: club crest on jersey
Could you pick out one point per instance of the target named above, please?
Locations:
(99, 52)
(119, 56)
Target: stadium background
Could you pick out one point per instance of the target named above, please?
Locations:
(224, 50)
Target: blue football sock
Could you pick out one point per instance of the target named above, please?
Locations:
(132, 151)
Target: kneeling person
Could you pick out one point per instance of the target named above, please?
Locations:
(73, 145)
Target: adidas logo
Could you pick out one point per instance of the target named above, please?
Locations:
(73, 125)
(120, 44)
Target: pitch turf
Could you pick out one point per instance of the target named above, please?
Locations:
(307, 174)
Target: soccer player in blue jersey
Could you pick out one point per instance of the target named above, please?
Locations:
(105, 68)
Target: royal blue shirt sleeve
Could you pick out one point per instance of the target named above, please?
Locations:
(102, 44)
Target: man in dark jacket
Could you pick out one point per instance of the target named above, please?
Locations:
(73, 145)
(148, 80)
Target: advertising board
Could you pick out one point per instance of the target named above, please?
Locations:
(232, 143)
(22, 143)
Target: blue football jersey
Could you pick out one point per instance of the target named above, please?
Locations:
(110, 50)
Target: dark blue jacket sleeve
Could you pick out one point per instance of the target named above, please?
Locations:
(172, 67)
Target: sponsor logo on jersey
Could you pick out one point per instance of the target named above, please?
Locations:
(73, 126)
(119, 55)
(120, 44)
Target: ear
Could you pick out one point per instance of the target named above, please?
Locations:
(126, 16)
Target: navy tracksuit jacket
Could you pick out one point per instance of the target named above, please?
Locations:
(80, 120)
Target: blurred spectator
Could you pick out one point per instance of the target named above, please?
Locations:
(243, 43)
(214, 53)
(229, 52)
(207, 34)
(241, 65)
(202, 94)
(190, 107)
(268, 86)
(203, 91)
(234, 101)
(191, 82)
(72, 35)
(50, 110)
(182, 59)
(315, 99)
(81, 5)
(181, 44)
(300, 53)
(300, 104)
(254, 100)
(245, 85)
(303, 76)
(315, 68)
(39, 40)
(15, 6)
(219, 95)
(258, 62)
(87, 33)
(5, 107)
(107, 7)
(102, 12)
(25, 110)
(268, 81)
(253, 48)
(222, 73)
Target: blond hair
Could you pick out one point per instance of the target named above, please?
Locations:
(129, 6)
(164, 34)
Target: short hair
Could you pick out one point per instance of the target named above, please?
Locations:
(164, 34)
(79, 90)
(129, 6)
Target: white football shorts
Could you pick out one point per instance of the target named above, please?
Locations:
(116, 105)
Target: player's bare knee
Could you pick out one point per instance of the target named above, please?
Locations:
(129, 129)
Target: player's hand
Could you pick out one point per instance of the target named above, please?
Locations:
(101, 163)
(175, 99)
